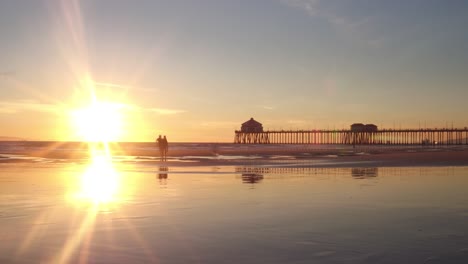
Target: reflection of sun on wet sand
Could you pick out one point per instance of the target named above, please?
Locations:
(101, 181)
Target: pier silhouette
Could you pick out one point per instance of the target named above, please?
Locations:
(359, 134)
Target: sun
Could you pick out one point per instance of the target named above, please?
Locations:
(98, 122)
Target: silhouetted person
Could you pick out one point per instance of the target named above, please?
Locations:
(160, 142)
(165, 146)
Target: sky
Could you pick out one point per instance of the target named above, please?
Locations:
(196, 70)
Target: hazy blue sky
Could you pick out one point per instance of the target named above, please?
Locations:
(196, 70)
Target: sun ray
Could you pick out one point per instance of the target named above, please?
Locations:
(78, 237)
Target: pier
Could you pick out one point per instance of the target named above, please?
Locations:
(359, 134)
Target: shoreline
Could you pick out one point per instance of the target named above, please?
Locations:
(393, 159)
(319, 158)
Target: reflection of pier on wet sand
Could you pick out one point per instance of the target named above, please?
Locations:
(361, 173)
(253, 175)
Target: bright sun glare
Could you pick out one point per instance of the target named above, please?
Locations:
(98, 122)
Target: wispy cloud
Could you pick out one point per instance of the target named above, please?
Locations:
(11, 107)
(354, 27)
(266, 107)
(222, 124)
(165, 111)
(296, 122)
(159, 111)
(111, 85)
(6, 73)
(311, 6)
(122, 86)
(317, 8)
(6, 110)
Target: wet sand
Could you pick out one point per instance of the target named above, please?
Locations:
(176, 213)
(381, 158)
(416, 158)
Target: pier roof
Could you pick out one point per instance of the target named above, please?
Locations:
(252, 126)
(251, 123)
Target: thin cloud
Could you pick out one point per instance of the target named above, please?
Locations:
(111, 85)
(6, 74)
(122, 86)
(11, 107)
(296, 121)
(218, 124)
(165, 111)
(160, 111)
(266, 107)
(311, 6)
(7, 110)
(356, 28)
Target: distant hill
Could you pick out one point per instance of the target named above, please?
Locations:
(3, 138)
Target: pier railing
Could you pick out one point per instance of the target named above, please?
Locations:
(443, 136)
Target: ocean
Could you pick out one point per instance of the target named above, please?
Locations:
(49, 151)
(56, 151)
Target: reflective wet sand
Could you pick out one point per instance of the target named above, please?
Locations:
(136, 213)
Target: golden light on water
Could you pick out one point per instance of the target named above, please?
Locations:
(97, 124)
(97, 187)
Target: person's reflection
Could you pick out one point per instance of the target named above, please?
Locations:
(251, 178)
(162, 174)
(363, 173)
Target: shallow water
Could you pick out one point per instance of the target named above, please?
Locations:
(55, 151)
(136, 213)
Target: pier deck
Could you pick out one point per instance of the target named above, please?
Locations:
(443, 136)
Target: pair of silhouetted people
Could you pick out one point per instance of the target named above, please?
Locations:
(163, 147)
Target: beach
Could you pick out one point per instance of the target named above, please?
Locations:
(243, 132)
(393, 205)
